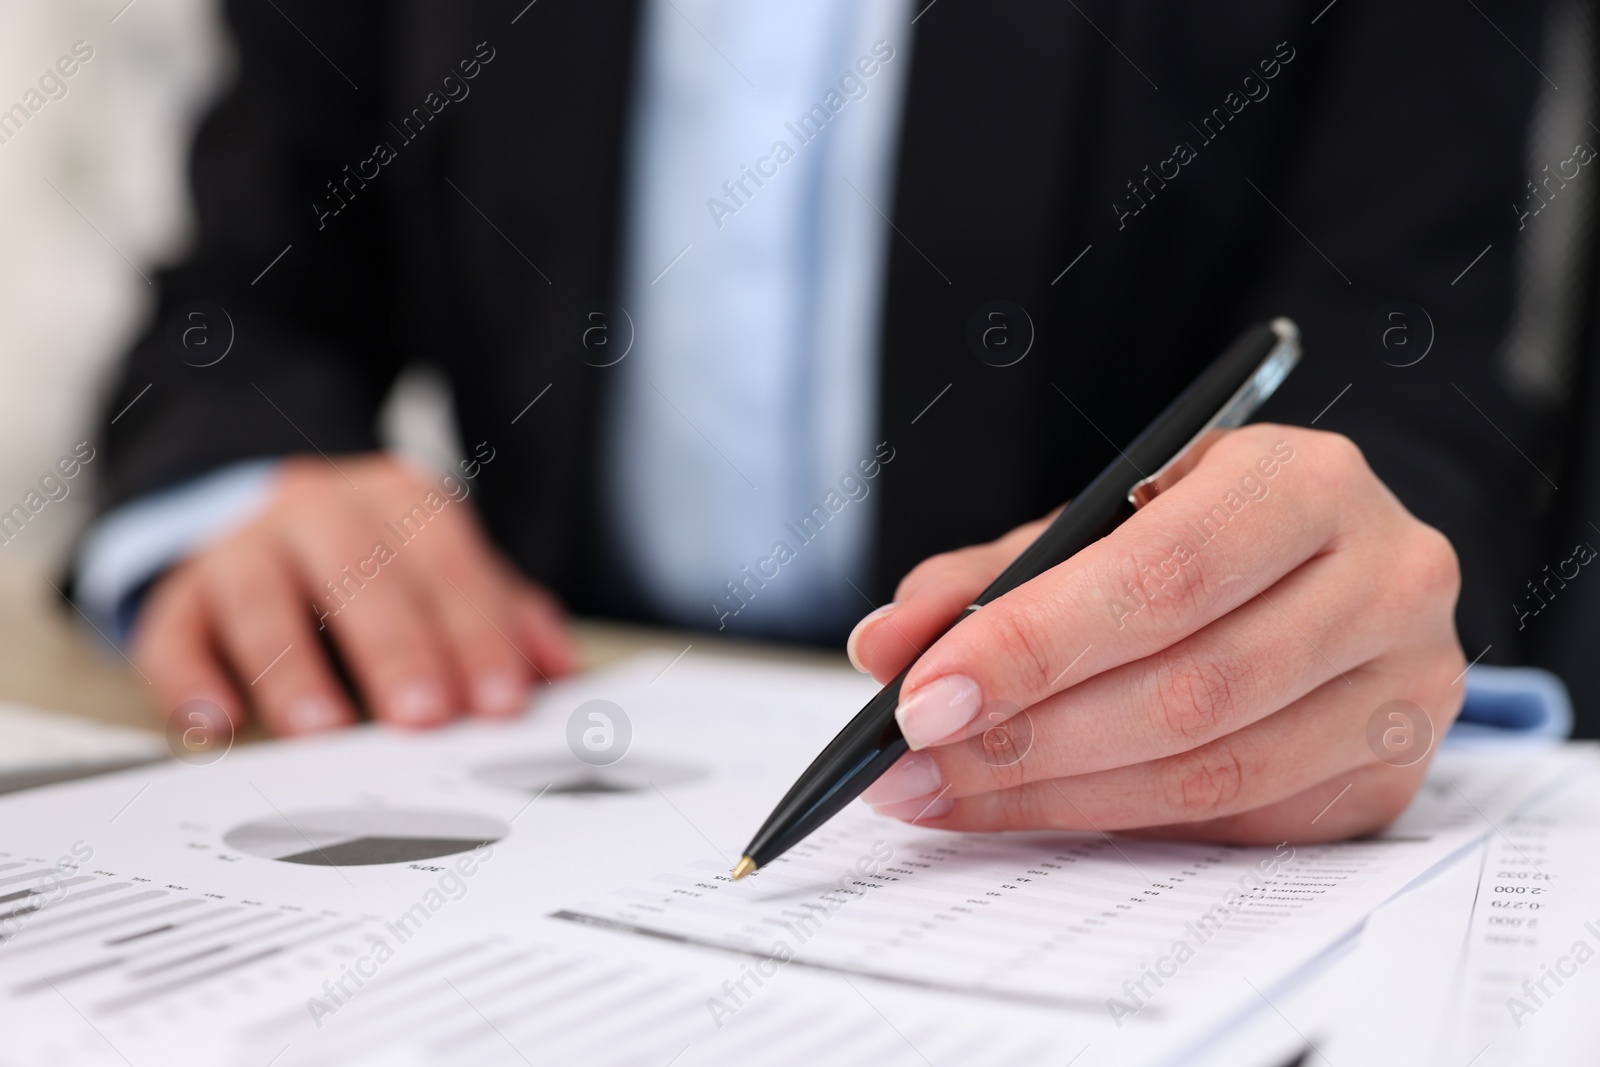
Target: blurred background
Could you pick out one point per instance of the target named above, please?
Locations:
(95, 195)
(94, 191)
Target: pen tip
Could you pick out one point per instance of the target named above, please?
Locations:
(746, 866)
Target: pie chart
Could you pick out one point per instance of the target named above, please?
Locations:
(356, 837)
(564, 776)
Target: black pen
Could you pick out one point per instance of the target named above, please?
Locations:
(1226, 394)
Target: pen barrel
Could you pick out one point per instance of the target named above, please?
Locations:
(1074, 529)
(867, 746)
(1226, 393)
(871, 742)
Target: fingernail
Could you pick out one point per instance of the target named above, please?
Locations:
(918, 810)
(309, 714)
(498, 693)
(418, 704)
(912, 776)
(938, 709)
(850, 643)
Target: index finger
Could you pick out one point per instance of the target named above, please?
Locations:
(928, 600)
(1263, 500)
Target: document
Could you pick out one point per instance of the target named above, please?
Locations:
(1435, 975)
(1158, 939)
(491, 893)
(1529, 970)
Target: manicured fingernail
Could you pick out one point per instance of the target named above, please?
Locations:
(309, 714)
(850, 644)
(912, 776)
(418, 704)
(498, 693)
(918, 810)
(938, 709)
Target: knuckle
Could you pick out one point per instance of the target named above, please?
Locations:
(246, 578)
(1191, 586)
(1338, 450)
(1198, 695)
(247, 598)
(1341, 458)
(1432, 565)
(1007, 753)
(1023, 641)
(1187, 589)
(1204, 783)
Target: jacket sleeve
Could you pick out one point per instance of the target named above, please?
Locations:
(277, 334)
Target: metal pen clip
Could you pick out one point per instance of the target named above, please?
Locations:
(1249, 397)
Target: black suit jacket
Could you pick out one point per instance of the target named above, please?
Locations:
(1142, 145)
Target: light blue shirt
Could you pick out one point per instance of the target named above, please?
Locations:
(763, 149)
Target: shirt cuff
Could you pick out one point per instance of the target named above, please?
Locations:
(130, 546)
(1513, 702)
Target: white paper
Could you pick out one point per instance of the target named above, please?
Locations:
(220, 914)
(1428, 979)
(1161, 940)
(1529, 964)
